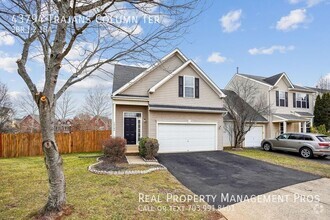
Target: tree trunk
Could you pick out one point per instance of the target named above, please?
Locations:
(53, 160)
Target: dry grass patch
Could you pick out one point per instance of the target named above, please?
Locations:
(297, 163)
(24, 188)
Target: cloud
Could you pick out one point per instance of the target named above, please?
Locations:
(270, 50)
(6, 38)
(215, 57)
(129, 30)
(231, 21)
(293, 20)
(309, 3)
(15, 94)
(7, 62)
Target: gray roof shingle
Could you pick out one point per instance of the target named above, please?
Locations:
(319, 90)
(187, 107)
(273, 79)
(290, 117)
(306, 114)
(123, 74)
(268, 80)
(232, 95)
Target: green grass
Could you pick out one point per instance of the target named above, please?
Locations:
(24, 187)
(306, 165)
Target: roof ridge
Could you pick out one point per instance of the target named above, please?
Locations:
(127, 65)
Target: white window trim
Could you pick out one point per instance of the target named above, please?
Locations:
(184, 86)
(137, 118)
(302, 100)
(279, 98)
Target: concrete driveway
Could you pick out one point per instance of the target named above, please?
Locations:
(268, 191)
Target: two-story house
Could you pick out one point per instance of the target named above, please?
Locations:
(291, 105)
(173, 101)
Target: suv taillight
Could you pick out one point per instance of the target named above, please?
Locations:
(324, 144)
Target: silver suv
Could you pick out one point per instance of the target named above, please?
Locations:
(306, 144)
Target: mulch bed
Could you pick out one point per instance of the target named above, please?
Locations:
(107, 164)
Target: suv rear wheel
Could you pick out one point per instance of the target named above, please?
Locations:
(267, 147)
(306, 152)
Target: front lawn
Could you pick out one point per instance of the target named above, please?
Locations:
(24, 187)
(306, 165)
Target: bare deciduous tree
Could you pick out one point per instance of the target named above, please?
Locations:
(324, 83)
(6, 110)
(81, 36)
(65, 106)
(97, 102)
(245, 104)
(25, 105)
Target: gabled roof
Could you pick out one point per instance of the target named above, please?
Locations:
(148, 70)
(233, 96)
(34, 117)
(271, 81)
(198, 71)
(124, 74)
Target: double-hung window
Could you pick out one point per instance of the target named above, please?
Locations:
(189, 86)
(301, 100)
(282, 98)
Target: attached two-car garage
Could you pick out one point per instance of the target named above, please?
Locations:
(183, 137)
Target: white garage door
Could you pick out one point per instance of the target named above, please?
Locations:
(186, 137)
(254, 137)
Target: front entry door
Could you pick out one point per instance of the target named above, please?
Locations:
(130, 130)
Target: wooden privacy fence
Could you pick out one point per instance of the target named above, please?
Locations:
(29, 144)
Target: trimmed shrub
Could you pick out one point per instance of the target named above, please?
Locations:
(115, 148)
(148, 148)
(142, 148)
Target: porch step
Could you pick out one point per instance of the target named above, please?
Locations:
(132, 149)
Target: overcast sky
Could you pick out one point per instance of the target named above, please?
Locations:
(261, 37)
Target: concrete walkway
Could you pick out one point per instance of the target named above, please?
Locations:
(307, 200)
(132, 159)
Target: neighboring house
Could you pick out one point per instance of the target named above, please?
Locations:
(63, 125)
(29, 124)
(319, 91)
(292, 105)
(173, 101)
(6, 122)
(255, 135)
(100, 123)
(84, 122)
